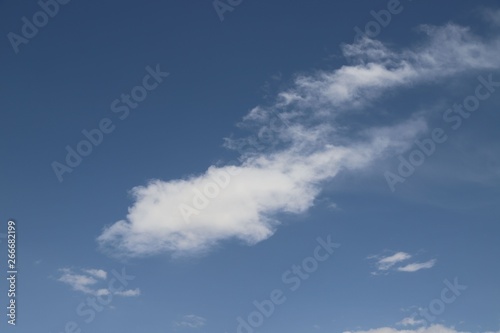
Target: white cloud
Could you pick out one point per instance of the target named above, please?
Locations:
(129, 292)
(449, 50)
(97, 273)
(418, 266)
(299, 158)
(411, 321)
(429, 329)
(392, 262)
(102, 292)
(91, 281)
(333, 206)
(192, 321)
(78, 282)
(284, 181)
(385, 263)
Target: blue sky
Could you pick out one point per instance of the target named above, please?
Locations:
(252, 166)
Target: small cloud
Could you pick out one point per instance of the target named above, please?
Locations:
(192, 321)
(91, 281)
(327, 203)
(333, 206)
(418, 266)
(102, 292)
(97, 273)
(393, 262)
(129, 292)
(386, 263)
(411, 321)
(277, 77)
(78, 282)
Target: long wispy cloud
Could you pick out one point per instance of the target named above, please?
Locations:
(384, 263)
(414, 267)
(194, 214)
(191, 321)
(411, 321)
(424, 329)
